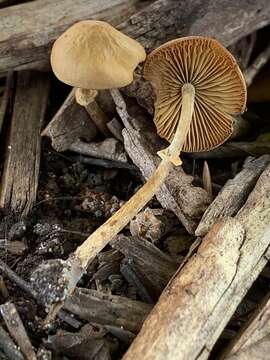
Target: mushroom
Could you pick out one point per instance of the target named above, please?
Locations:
(198, 86)
(92, 55)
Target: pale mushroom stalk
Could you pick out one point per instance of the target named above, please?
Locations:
(172, 152)
(87, 99)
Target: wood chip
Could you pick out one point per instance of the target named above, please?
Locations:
(107, 309)
(233, 194)
(21, 168)
(17, 331)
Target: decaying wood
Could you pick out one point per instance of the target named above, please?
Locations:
(110, 149)
(25, 40)
(235, 149)
(177, 194)
(254, 331)
(157, 267)
(89, 343)
(233, 194)
(242, 49)
(6, 98)
(259, 351)
(99, 117)
(107, 164)
(71, 122)
(17, 331)
(107, 309)
(257, 65)
(152, 224)
(8, 347)
(21, 168)
(116, 129)
(198, 303)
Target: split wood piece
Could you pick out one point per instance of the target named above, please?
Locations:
(157, 267)
(7, 98)
(21, 168)
(17, 330)
(71, 122)
(138, 281)
(177, 194)
(259, 351)
(116, 129)
(152, 224)
(100, 308)
(89, 342)
(235, 149)
(200, 300)
(98, 116)
(107, 164)
(110, 149)
(243, 49)
(234, 194)
(257, 65)
(26, 39)
(8, 347)
(254, 331)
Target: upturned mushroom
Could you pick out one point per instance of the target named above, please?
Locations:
(198, 87)
(92, 55)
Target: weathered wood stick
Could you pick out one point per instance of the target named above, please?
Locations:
(110, 149)
(177, 193)
(6, 98)
(26, 39)
(8, 347)
(27, 31)
(17, 330)
(157, 267)
(257, 65)
(255, 330)
(200, 300)
(259, 351)
(21, 168)
(235, 149)
(107, 309)
(71, 122)
(233, 195)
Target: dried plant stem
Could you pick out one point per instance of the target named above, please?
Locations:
(173, 151)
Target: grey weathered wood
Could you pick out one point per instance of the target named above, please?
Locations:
(233, 194)
(71, 122)
(21, 167)
(25, 39)
(259, 351)
(202, 297)
(254, 331)
(107, 309)
(17, 330)
(6, 98)
(27, 31)
(8, 347)
(110, 149)
(177, 193)
(235, 149)
(156, 268)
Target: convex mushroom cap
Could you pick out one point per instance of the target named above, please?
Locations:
(220, 90)
(94, 55)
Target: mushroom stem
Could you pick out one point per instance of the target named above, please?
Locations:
(101, 237)
(172, 152)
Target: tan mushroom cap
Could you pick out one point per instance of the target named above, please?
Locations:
(94, 55)
(220, 89)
